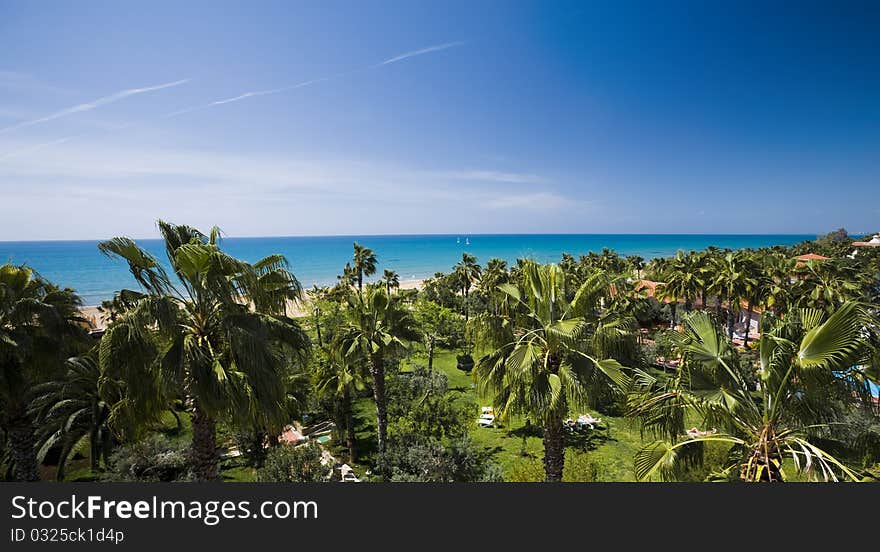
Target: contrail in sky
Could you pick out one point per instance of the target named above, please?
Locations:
(423, 51)
(92, 105)
(256, 93)
(244, 96)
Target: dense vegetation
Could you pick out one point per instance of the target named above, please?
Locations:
(714, 365)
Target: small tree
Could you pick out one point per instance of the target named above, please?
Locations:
(437, 322)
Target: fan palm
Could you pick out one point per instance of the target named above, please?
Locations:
(804, 380)
(40, 326)
(467, 271)
(74, 415)
(391, 279)
(734, 276)
(682, 279)
(547, 353)
(376, 330)
(364, 264)
(217, 336)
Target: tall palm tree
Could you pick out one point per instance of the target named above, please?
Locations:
(216, 334)
(806, 381)
(636, 264)
(777, 270)
(734, 276)
(467, 271)
(756, 290)
(364, 264)
(682, 279)
(830, 283)
(377, 329)
(547, 353)
(74, 413)
(391, 279)
(40, 326)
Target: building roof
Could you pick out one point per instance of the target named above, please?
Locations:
(811, 257)
(873, 242)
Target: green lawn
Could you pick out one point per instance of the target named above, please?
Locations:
(612, 450)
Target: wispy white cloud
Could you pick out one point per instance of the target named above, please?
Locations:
(37, 147)
(494, 176)
(414, 53)
(92, 105)
(244, 96)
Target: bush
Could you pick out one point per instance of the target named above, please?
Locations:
(289, 464)
(154, 458)
(415, 459)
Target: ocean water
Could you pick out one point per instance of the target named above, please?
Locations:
(317, 260)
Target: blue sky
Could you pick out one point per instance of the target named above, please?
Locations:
(458, 117)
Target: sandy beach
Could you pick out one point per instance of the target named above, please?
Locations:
(95, 317)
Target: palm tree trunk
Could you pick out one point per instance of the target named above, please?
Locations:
(431, 353)
(203, 453)
(467, 308)
(673, 307)
(21, 442)
(377, 371)
(703, 304)
(554, 449)
(730, 321)
(748, 324)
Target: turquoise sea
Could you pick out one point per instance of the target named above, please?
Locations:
(318, 259)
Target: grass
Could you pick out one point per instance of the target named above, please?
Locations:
(611, 450)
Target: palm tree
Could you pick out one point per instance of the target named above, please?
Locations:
(341, 378)
(391, 279)
(377, 328)
(494, 275)
(682, 279)
(364, 264)
(636, 264)
(217, 335)
(734, 276)
(74, 413)
(830, 283)
(547, 353)
(806, 381)
(757, 288)
(467, 271)
(777, 270)
(40, 326)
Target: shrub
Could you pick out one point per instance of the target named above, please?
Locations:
(289, 464)
(154, 458)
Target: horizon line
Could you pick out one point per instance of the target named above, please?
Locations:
(439, 234)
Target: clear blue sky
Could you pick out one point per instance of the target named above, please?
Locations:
(727, 117)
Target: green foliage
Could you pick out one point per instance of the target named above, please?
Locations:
(806, 383)
(413, 458)
(420, 403)
(154, 458)
(288, 464)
